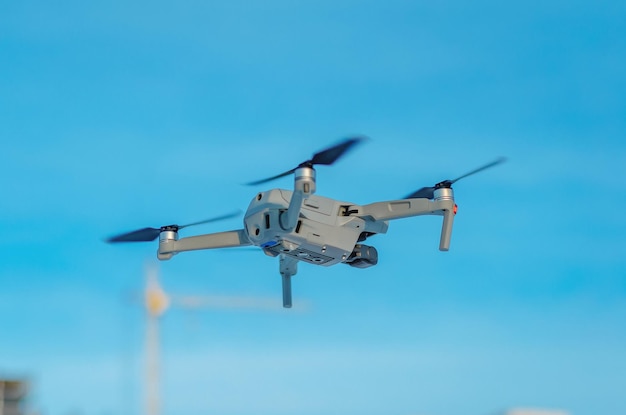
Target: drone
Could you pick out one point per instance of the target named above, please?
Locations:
(299, 226)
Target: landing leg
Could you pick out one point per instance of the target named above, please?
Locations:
(288, 268)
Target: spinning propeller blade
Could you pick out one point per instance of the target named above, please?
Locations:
(324, 157)
(424, 192)
(485, 167)
(150, 234)
(428, 192)
(332, 154)
(140, 235)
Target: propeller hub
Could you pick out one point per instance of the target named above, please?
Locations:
(305, 179)
(168, 234)
(446, 184)
(443, 193)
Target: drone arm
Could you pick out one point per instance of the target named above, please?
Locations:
(404, 208)
(304, 186)
(293, 211)
(169, 247)
(446, 229)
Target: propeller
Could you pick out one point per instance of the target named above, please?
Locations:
(324, 157)
(150, 234)
(429, 192)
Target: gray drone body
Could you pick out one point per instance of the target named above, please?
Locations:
(299, 226)
(322, 236)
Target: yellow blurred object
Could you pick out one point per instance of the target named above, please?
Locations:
(156, 299)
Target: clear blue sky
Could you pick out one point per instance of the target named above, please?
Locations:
(116, 115)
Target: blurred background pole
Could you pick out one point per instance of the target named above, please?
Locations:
(156, 302)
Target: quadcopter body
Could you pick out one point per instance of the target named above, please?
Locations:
(299, 226)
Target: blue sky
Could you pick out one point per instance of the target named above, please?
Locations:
(119, 115)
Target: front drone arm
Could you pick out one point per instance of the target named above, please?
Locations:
(404, 208)
(169, 245)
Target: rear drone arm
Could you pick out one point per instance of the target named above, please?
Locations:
(404, 208)
(170, 245)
